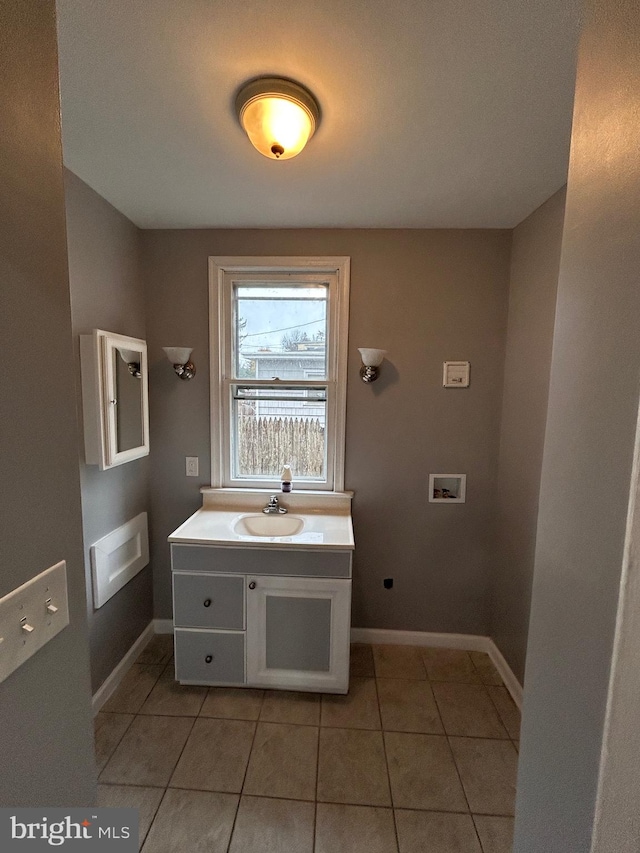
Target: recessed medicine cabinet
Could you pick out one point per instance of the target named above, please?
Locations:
(115, 398)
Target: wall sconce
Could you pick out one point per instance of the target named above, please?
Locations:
(371, 361)
(180, 359)
(132, 359)
(279, 116)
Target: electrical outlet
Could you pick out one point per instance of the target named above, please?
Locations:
(32, 615)
(192, 466)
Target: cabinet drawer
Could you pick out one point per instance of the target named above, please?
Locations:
(261, 561)
(208, 601)
(209, 657)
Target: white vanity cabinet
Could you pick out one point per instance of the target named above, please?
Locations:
(262, 617)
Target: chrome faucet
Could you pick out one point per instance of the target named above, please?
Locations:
(273, 507)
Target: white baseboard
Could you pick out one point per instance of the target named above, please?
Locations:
(466, 642)
(506, 673)
(112, 682)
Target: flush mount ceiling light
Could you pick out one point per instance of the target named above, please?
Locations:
(279, 116)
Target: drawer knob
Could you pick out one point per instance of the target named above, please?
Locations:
(208, 659)
(252, 585)
(207, 602)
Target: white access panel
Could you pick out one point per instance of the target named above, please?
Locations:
(32, 615)
(118, 557)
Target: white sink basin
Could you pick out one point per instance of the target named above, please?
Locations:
(268, 525)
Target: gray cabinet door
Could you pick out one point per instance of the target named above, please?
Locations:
(298, 633)
(209, 657)
(208, 601)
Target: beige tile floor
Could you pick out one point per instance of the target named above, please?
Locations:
(420, 756)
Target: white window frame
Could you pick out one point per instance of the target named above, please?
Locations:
(223, 273)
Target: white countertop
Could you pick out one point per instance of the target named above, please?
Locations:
(331, 529)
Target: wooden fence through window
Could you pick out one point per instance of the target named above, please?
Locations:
(265, 445)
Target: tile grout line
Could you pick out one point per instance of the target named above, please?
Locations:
(166, 787)
(386, 764)
(99, 773)
(453, 758)
(499, 712)
(104, 709)
(184, 745)
(492, 704)
(153, 820)
(320, 802)
(473, 823)
(246, 770)
(315, 804)
(319, 727)
(475, 826)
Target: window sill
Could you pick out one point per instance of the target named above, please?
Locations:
(252, 499)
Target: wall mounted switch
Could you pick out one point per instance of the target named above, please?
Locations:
(192, 466)
(32, 615)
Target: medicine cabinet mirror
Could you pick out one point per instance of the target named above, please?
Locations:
(115, 398)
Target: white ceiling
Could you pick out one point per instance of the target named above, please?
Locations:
(435, 113)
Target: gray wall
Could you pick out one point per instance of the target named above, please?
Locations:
(593, 406)
(45, 711)
(535, 261)
(107, 292)
(425, 296)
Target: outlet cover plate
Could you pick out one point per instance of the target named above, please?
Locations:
(27, 606)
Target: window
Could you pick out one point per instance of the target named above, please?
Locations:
(278, 370)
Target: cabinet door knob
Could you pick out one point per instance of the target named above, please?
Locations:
(208, 659)
(207, 602)
(252, 585)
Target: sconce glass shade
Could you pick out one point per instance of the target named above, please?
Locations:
(129, 355)
(180, 358)
(131, 358)
(372, 357)
(178, 355)
(279, 116)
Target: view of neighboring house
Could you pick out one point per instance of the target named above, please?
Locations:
(300, 360)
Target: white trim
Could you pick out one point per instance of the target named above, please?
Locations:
(335, 590)
(252, 499)
(111, 345)
(113, 681)
(99, 397)
(462, 491)
(466, 642)
(163, 626)
(113, 565)
(506, 673)
(220, 358)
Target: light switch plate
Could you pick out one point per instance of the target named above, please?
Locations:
(32, 615)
